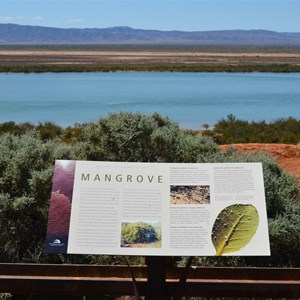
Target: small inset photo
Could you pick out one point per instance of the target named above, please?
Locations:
(190, 194)
(141, 234)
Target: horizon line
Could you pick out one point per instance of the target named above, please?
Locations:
(149, 29)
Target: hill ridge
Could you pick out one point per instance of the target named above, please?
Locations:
(30, 34)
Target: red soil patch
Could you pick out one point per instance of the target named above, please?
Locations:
(288, 156)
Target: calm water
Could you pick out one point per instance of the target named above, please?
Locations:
(191, 99)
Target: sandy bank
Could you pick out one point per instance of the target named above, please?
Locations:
(288, 156)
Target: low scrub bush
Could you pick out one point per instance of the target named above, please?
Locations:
(141, 138)
(26, 168)
(233, 130)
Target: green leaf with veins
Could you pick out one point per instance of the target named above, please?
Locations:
(234, 228)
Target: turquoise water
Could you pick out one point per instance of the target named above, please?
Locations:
(191, 99)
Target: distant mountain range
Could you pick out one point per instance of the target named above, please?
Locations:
(22, 34)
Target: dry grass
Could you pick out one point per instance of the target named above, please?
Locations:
(36, 57)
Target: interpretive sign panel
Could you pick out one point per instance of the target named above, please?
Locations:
(171, 209)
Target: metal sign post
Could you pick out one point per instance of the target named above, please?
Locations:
(156, 287)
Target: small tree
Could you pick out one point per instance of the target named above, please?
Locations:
(205, 126)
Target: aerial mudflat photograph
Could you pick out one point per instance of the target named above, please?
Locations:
(196, 82)
(189, 194)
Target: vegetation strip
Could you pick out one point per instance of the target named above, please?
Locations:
(230, 130)
(147, 67)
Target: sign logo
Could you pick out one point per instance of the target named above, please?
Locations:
(56, 243)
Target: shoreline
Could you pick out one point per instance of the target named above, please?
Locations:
(160, 68)
(37, 59)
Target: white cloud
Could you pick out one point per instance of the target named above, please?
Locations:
(19, 19)
(38, 18)
(5, 19)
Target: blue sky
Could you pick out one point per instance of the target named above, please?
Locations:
(281, 15)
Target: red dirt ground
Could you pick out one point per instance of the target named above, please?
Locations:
(288, 156)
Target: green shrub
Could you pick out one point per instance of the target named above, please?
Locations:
(195, 148)
(233, 130)
(26, 166)
(131, 137)
(138, 137)
(48, 130)
(12, 127)
(72, 134)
